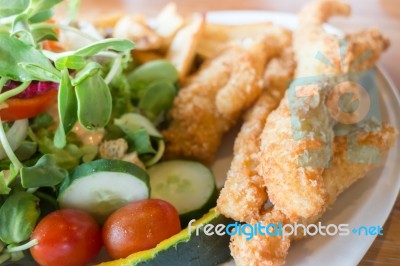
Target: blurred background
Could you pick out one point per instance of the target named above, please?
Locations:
(384, 14)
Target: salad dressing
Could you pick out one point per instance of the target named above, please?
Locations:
(90, 137)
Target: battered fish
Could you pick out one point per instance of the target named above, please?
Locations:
(212, 100)
(234, 201)
(272, 250)
(298, 190)
(300, 194)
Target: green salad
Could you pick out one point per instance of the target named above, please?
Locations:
(80, 144)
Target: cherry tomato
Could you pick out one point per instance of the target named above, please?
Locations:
(139, 226)
(27, 108)
(66, 238)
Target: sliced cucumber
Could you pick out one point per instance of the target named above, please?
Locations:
(131, 122)
(100, 187)
(189, 186)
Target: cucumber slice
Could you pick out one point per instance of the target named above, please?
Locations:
(100, 187)
(187, 185)
(131, 122)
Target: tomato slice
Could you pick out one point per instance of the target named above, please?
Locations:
(54, 46)
(27, 108)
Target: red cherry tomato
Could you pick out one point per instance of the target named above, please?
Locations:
(139, 226)
(27, 108)
(66, 238)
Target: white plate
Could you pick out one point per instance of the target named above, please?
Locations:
(368, 202)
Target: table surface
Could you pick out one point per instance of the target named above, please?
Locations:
(384, 14)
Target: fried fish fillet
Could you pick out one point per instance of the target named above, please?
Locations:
(292, 188)
(261, 250)
(298, 190)
(234, 201)
(212, 100)
(272, 250)
(280, 167)
(246, 204)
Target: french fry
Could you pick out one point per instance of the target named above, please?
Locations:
(167, 23)
(217, 36)
(182, 50)
(135, 29)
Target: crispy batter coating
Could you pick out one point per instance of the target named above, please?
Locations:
(212, 100)
(273, 250)
(298, 191)
(310, 38)
(261, 250)
(367, 45)
(234, 201)
(344, 172)
(298, 194)
(295, 190)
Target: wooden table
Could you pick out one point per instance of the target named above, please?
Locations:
(384, 14)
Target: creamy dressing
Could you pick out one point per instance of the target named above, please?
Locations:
(89, 137)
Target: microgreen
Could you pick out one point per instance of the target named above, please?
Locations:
(83, 96)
